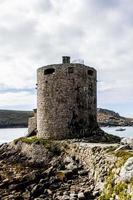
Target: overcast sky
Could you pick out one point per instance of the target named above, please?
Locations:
(34, 33)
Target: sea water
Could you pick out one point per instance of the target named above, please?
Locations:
(9, 134)
(128, 133)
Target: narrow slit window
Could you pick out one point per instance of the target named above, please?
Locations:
(49, 71)
(90, 72)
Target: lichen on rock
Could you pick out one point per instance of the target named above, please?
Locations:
(119, 182)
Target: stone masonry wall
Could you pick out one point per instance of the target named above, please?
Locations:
(32, 124)
(94, 159)
(66, 101)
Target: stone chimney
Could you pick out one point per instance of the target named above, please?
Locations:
(65, 59)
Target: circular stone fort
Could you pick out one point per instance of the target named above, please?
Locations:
(66, 100)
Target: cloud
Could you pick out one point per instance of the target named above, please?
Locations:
(34, 33)
(17, 100)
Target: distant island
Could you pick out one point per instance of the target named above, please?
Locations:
(107, 117)
(19, 119)
(14, 118)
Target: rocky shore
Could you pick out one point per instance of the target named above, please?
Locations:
(57, 177)
(66, 170)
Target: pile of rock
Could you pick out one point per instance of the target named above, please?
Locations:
(63, 178)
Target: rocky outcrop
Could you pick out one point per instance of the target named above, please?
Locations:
(126, 173)
(110, 118)
(63, 177)
(128, 142)
(33, 168)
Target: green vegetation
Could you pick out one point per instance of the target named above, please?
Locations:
(113, 188)
(124, 154)
(108, 188)
(30, 140)
(110, 149)
(122, 157)
(53, 146)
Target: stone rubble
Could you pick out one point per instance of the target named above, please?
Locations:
(60, 180)
(78, 173)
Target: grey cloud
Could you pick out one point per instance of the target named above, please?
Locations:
(105, 3)
(44, 6)
(18, 36)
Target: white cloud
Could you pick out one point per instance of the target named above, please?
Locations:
(17, 100)
(37, 32)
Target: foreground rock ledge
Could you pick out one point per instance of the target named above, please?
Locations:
(60, 170)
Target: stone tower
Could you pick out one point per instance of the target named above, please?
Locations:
(66, 100)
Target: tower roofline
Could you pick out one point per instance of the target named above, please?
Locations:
(65, 65)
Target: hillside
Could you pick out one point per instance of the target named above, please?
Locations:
(110, 118)
(14, 118)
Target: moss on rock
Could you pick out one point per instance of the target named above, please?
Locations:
(122, 157)
(113, 188)
(53, 146)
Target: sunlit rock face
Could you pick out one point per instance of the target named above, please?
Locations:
(126, 173)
